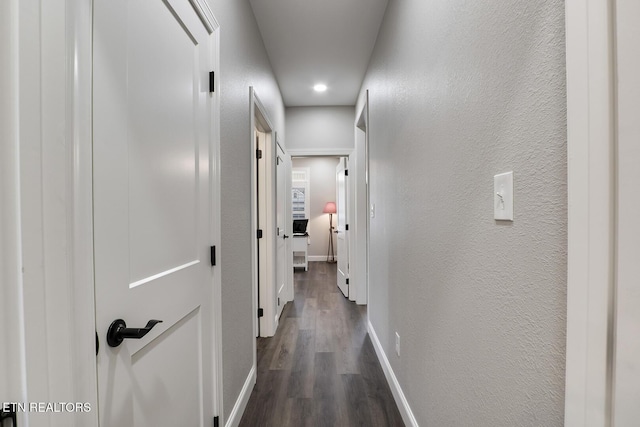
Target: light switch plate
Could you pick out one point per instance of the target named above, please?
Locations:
(503, 196)
(372, 211)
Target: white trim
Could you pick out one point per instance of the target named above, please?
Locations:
(403, 405)
(254, 225)
(243, 398)
(317, 258)
(259, 119)
(205, 14)
(361, 204)
(57, 218)
(79, 135)
(320, 152)
(590, 145)
(216, 226)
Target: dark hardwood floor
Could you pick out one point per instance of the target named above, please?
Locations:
(320, 369)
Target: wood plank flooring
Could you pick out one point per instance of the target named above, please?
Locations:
(320, 369)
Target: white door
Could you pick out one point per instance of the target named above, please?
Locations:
(626, 392)
(282, 176)
(341, 227)
(152, 211)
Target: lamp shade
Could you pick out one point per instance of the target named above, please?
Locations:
(330, 207)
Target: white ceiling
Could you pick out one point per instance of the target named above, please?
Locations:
(328, 41)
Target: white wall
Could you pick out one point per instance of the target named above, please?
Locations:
(322, 188)
(321, 129)
(461, 91)
(244, 63)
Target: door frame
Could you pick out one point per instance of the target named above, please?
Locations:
(591, 168)
(54, 202)
(260, 120)
(362, 221)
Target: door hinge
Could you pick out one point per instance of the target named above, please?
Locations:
(260, 312)
(346, 227)
(259, 234)
(212, 82)
(346, 172)
(216, 421)
(258, 154)
(213, 255)
(347, 281)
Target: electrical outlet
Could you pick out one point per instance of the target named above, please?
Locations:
(397, 344)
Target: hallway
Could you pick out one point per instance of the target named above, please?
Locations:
(320, 369)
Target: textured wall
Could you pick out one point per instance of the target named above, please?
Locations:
(320, 128)
(244, 63)
(460, 91)
(322, 190)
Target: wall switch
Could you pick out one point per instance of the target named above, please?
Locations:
(503, 196)
(397, 344)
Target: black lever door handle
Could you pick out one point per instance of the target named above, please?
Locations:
(118, 331)
(285, 237)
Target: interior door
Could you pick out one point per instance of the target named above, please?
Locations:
(341, 227)
(626, 384)
(281, 215)
(152, 211)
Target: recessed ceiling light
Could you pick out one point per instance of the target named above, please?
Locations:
(320, 87)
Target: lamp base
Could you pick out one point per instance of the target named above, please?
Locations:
(331, 258)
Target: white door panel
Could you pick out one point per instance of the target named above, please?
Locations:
(342, 233)
(152, 216)
(281, 209)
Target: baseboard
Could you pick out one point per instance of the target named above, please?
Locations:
(243, 399)
(317, 258)
(398, 394)
(324, 151)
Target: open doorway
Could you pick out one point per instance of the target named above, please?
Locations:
(321, 202)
